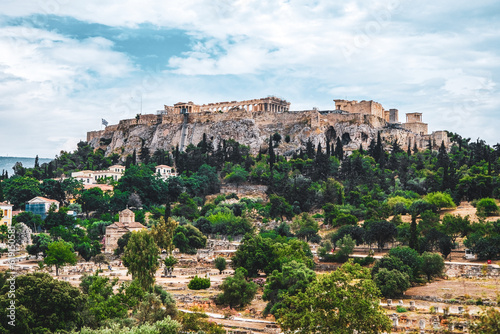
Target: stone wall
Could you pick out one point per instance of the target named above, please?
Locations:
(251, 128)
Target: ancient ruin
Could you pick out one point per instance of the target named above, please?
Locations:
(271, 104)
(251, 122)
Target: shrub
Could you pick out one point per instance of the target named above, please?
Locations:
(487, 207)
(400, 309)
(199, 283)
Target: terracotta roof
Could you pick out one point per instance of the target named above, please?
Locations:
(163, 166)
(103, 187)
(127, 226)
(45, 199)
(5, 203)
(117, 166)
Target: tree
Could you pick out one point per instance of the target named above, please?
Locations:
(169, 263)
(346, 247)
(121, 243)
(487, 207)
(40, 244)
(43, 305)
(163, 233)
(440, 200)
(380, 232)
(92, 200)
(141, 258)
(409, 257)
(150, 309)
(188, 239)
(237, 291)
(60, 253)
(187, 208)
(392, 283)
(293, 278)
(432, 264)
(100, 259)
(20, 189)
(220, 264)
(279, 207)
(237, 175)
(488, 322)
(338, 302)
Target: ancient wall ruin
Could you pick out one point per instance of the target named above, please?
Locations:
(269, 104)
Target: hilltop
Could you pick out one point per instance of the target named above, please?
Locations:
(252, 122)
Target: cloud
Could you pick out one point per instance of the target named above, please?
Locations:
(439, 58)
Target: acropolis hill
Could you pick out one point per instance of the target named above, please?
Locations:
(251, 123)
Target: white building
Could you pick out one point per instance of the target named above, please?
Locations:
(92, 176)
(165, 171)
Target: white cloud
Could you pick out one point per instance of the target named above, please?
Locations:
(415, 56)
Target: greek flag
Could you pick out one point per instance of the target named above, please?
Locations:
(104, 122)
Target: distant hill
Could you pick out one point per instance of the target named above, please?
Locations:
(6, 163)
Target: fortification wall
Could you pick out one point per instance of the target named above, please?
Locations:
(252, 128)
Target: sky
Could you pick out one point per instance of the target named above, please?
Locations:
(65, 65)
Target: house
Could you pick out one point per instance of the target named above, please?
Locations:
(6, 209)
(165, 171)
(126, 223)
(92, 176)
(41, 205)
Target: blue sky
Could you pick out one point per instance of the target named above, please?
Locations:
(64, 65)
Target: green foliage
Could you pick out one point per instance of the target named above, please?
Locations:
(306, 228)
(392, 283)
(237, 291)
(237, 175)
(294, 277)
(20, 189)
(220, 264)
(487, 207)
(199, 283)
(257, 254)
(488, 322)
(122, 242)
(379, 232)
(279, 207)
(186, 207)
(345, 248)
(141, 258)
(43, 304)
(164, 326)
(432, 265)
(408, 257)
(440, 200)
(163, 233)
(337, 302)
(188, 239)
(40, 244)
(60, 253)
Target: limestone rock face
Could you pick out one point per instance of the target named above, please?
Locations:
(252, 129)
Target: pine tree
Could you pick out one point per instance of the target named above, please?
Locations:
(415, 148)
(271, 159)
(339, 150)
(408, 152)
(36, 162)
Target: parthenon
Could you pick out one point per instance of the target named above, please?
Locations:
(271, 104)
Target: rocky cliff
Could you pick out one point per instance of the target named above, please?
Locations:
(166, 131)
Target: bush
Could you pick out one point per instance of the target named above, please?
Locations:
(199, 283)
(392, 283)
(486, 207)
(401, 309)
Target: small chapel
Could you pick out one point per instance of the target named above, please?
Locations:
(126, 223)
